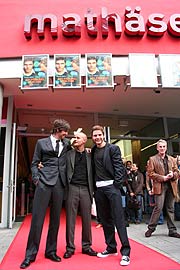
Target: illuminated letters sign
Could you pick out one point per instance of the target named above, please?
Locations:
(133, 24)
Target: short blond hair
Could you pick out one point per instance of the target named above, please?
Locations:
(161, 141)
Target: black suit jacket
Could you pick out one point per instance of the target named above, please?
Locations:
(113, 164)
(53, 166)
(70, 169)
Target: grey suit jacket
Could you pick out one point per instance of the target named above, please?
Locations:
(53, 166)
(70, 169)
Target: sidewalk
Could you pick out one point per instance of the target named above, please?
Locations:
(159, 240)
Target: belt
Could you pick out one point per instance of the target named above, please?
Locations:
(104, 183)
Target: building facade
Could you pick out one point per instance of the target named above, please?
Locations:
(135, 93)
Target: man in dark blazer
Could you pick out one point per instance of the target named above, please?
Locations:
(109, 174)
(50, 181)
(80, 195)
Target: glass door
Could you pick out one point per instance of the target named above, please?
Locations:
(13, 178)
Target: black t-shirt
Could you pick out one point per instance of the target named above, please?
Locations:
(101, 172)
(80, 170)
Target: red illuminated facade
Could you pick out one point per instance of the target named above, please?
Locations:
(89, 26)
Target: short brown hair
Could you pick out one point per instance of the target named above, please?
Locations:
(60, 125)
(97, 127)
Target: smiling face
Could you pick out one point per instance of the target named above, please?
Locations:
(98, 138)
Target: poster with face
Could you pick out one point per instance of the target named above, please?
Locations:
(99, 70)
(34, 71)
(67, 71)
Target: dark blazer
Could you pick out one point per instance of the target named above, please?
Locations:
(70, 169)
(113, 163)
(53, 166)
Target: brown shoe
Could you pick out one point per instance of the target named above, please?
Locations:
(149, 232)
(175, 234)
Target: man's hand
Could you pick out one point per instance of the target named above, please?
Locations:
(168, 176)
(40, 165)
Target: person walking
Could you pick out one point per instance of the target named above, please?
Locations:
(162, 169)
(50, 181)
(109, 174)
(79, 196)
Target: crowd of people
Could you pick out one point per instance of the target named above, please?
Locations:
(65, 170)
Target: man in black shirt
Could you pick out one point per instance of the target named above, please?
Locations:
(109, 175)
(80, 195)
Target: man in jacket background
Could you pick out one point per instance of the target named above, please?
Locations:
(162, 169)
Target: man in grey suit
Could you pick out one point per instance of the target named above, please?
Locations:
(80, 195)
(50, 181)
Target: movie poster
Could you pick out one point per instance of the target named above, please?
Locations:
(67, 71)
(34, 71)
(99, 70)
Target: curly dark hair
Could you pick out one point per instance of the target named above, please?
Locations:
(60, 125)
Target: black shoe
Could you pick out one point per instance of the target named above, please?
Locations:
(53, 257)
(149, 232)
(89, 252)
(26, 263)
(68, 254)
(175, 234)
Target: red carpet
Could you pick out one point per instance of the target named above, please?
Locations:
(142, 258)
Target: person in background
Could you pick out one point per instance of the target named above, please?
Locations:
(162, 169)
(109, 176)
(124, 193)
(177, 202)
(99, 223)
(50, 181)
(79, 195)
(151, 200)
(135, 188)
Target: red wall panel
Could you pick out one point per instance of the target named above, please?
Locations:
(13, 42)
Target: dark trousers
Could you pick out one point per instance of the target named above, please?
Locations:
(43, 196)
(78, 198)
(112, 215)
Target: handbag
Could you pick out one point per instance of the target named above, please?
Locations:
(133, 203)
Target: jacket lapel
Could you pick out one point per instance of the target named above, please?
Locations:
(49, 144)
(72, 157)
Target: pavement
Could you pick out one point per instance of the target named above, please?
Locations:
(159, 241)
